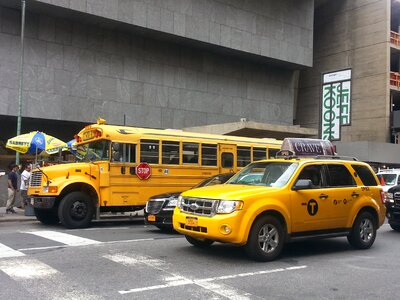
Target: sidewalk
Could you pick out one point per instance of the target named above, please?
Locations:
(20, 216)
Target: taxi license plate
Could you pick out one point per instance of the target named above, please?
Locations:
(151, 218)
(191, 221)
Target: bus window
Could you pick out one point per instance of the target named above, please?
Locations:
(123, 152)
(190, 153)
(149, 151)
(259, 154)
(208, 155)
(227, 160)
(243, 156)
(272, 152)
(170, 153)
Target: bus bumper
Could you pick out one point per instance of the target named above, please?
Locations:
(43, 202)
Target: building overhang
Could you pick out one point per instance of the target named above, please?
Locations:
(255, 129)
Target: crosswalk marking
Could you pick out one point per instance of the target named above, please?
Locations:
(24, 268)
(9, 252)
(64, 238)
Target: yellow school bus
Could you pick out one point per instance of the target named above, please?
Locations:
(122, 167)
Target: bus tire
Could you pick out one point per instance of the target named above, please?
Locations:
(47, 216)
(203, 243)
(76, 210)
(266, 239)
(363, 232)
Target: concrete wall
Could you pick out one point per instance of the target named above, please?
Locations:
(77, 72)
(278, 29)
(351, 34)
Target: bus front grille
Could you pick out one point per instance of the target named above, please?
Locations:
(36, 179)
(199, 206)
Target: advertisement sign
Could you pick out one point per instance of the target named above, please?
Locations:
(336, 104)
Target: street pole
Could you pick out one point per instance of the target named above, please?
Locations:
(21, 70)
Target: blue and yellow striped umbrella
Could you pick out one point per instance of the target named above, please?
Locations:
(35, 142)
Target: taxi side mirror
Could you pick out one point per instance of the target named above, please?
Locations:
(302, 184)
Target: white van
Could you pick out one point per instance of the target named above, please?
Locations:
(388, 178)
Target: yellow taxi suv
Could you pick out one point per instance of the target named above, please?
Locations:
(306, 192)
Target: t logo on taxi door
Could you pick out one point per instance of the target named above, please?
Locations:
(312, 207)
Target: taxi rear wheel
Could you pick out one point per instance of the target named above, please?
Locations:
(201, 243)
(363, 233)
(266, 239)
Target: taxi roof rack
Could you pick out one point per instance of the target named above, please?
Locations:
(336, 157)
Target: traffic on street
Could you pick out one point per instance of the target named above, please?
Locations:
(129, 260)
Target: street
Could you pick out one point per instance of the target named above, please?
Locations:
(128, 260)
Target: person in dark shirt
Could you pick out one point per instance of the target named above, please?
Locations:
(12, 188)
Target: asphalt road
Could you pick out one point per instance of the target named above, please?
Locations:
(128, 260)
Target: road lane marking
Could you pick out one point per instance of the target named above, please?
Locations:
(26, 268)
(9, 252)
(175, 280)
(64, 238)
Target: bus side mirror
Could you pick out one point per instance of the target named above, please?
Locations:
(302, 184)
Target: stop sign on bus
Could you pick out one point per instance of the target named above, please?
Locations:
(143, 171)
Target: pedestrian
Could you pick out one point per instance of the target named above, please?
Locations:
(26, 174)
(12, 188)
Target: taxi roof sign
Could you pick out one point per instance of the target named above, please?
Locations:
(306, 147)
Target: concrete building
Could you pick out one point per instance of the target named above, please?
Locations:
(196, 63)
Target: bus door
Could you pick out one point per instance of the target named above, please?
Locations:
(227, 158)
(123, 191)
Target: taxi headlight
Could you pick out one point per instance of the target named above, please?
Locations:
(179, 202)
(172, 202)
(229, 206)
(389, 197)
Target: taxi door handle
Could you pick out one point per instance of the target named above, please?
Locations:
(354, 194)
(323, 196)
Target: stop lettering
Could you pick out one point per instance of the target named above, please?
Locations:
(143, 171)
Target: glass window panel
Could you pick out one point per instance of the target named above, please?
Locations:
(243, 156)
(170, 153)
(190, 153)
(259, 154)
(149, 151)
(208, 155)
(227, 160)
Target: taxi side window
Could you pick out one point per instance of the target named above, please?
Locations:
(365, 175)
(339, 176)
(313, 173)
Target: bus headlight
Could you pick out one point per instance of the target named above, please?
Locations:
(50, 189)
(228, 206)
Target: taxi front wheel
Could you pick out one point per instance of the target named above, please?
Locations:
(266, 239)
(363, 233)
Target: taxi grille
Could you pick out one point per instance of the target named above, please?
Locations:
(154, 206)
(194, 228)
(36, 179)
(199, 206)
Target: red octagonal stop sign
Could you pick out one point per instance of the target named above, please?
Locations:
(143, 171)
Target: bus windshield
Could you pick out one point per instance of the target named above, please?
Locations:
(94, 151)
(274, 174)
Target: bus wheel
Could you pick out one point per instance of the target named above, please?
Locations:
(266, 239)
(203, 243)
(363, 233)
(76, 210)
(47, 216)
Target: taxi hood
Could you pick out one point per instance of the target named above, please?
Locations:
(229, 191)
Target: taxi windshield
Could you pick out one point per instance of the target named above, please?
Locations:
(274, 174)
(94, 151)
